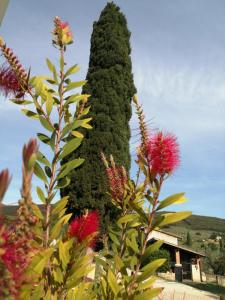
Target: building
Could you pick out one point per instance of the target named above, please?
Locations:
(186, 263)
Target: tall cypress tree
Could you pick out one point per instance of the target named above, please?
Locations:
(110, 84)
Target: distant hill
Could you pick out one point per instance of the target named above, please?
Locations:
(10, 210)
(196, 222)
(193, 223)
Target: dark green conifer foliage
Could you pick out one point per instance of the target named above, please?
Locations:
(111, 86)
(189, 239)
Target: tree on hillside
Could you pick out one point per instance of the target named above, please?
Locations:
(189, 239)
(110, 84)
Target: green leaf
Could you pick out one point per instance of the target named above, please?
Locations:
(38, 292)
(69, 147)
(64, 249)
(152, 248)
(140, 212)
(78, 275)
(40, 260)
(30, 114)
(45, 123)
(66, 168)
(36, 211)
(114, 238)
(149, 294)
(170, 218)
(86, 111)
(77, 134)
(50, 65)
(40, 173)
(58, 276)
(73, 85)
(60, 205)
(72, 70)
(57, 228)
(71, 99)
(49, 104)
(66, 129)
(174, 199)
(21, 102)
(42, 159)
(44, 138)
(113, 282)
(87, 126)
(52, 140)
(132, 244)
(147, 283)
(127, 218)
(41, 194)
(150, 269)
(118, 262)
(63, 182)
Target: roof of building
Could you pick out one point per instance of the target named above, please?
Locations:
(169, 233)
(182, 248)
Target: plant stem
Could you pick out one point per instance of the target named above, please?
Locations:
(148, 231)
(56, 152)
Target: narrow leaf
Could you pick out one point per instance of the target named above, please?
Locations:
(21, 102)
(41, 195)
(150, 269)
(44, 138)
(60, 205)
(40, 173)
(113, 283)
(174, 199)
(73, 85)
(45, 123)
(65, 169)
(149, 294)
(30, 114)
(72, 70)
(170, 218)
(70, 147)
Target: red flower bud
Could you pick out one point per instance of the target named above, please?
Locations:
(4, 182)
(29, 151)
(117, 179)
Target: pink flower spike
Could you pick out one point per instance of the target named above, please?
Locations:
(63, 25)
(163, 153)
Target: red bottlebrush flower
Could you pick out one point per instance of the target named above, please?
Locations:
(9, 84)
(163, 153)
(84, 226)
(117, 179)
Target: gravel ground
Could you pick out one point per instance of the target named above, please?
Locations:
(179, 291)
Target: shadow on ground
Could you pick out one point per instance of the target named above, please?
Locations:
(208, 287)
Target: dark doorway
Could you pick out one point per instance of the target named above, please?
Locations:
(187, 270)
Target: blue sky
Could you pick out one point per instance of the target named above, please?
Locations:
(178, 55)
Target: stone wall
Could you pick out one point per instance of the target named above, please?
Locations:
(167, 276)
